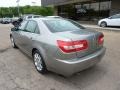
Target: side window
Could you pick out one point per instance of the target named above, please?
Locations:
(31, 26)
(115, 16)
(22, 26)
(118, 16)
(29, 17)
(37, 30)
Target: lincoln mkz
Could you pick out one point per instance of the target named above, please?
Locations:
(59, 45)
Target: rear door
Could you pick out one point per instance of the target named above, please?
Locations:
(31, 31)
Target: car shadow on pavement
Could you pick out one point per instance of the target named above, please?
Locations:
(81, 79)
(4, 50)
(114, 26)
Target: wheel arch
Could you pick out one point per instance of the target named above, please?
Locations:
(42, 53)
(104, 22)
(33, 50)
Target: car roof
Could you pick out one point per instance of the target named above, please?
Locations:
(45, 18)
(30, 15)
(52, 16)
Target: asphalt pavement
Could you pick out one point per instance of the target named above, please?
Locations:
(17, 71)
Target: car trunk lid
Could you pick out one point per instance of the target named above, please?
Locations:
(89, 35)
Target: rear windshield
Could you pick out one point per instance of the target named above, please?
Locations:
(61, 25)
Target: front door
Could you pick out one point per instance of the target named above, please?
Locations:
(18, 34)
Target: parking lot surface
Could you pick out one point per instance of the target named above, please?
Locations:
(17, 71)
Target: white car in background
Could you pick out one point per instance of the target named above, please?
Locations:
(110, 21)
(6, 20)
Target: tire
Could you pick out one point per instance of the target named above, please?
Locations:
(103, 24)
(12, 42)
(39, 62)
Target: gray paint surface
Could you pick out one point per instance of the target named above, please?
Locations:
(55, 59)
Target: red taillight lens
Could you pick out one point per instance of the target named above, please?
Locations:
(72, 46)
(101, 39)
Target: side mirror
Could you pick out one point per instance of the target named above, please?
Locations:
(109, 17)
(16, 23)
(14, 29)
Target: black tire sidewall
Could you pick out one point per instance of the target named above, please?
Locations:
(13, 42)
(44, 70)
(103, 23)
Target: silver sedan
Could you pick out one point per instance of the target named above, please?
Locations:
(59, 45)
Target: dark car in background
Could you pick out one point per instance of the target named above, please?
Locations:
(25, 17)
(0, 20)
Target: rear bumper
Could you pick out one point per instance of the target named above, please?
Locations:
(70, 67)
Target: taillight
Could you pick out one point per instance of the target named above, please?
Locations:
(72, 46)
(101, 39)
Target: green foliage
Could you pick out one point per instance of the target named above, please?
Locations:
(13, 11)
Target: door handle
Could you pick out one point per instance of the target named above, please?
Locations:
(31, 38)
